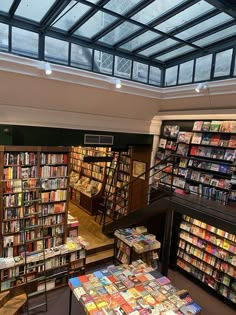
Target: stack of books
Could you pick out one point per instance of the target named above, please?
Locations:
(130, 289)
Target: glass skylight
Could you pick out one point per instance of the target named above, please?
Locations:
(122, 6)
(28, 9)
(140, 40)
(5, 5)
(158, 47)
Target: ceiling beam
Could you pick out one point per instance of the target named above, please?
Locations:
(226, 6)
(14, 7)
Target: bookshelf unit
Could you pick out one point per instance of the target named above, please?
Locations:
(208, 254)
(34, 194)
(87, 179)
(205, 152)
(136, 243)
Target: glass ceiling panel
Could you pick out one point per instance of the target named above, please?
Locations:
(155, 10)
(216, 37)
(121, 6)
(175, 53)
(76, 10)
(158, 47)
(213, 22)
(30, 10)
(5, 5)
(120, 32)
(185, 16)
(140, 40)
(95, 24)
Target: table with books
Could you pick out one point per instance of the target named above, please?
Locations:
(135, 289)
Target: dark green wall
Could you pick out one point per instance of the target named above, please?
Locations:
(27, 135)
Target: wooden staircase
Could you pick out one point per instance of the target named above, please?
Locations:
(12, 305)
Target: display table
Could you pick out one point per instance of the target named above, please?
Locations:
(135, 289)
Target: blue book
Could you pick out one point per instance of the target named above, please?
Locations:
(98, 274)
(75, 282)
(192, 308)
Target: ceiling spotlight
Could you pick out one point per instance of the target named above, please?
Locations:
(118, 83)
(48, 69)
(201, 87)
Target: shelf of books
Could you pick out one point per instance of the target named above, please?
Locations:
(130, 289)
(87, 179)
(208, 254)
(34, 193)
(61, 262)
(204, 161)
(136, 243)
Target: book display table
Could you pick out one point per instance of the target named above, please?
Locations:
(136, 243)
(135, 289)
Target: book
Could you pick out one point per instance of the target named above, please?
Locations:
(225, 126)
(163, 280)
(174, 131)
(215, 125)
(224, 140)
(162, 143)
(184, 137)
(215, 139)
(183, 162)
(229, 155)
(182, 149)
(206, 126)
(191, 309)
(233, 126)
(206, 138)
(196, 138)
(232, 141)
(197, 126)
(166, 131)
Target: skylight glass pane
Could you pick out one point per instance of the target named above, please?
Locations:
(81, 57)
(155, 10)
(24, 42)
(66, 20)
(95, 24)
(185, 16)
(103, 62)
(216, 37)
(120, 32)
(140, 72)
(122, 67)
(121, 6)
(171, 76)
(204, 26)
(203, 68)
(175, 53)
(186, 72)
(5, 5)
(34, 10)
(158, 47)
(140, 40)
(223, 63)
(4, 30)
(155, 76)
(56, 50)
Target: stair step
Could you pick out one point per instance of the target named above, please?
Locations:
(99, 257)
(4, 297)
(99, 249)
(14, 305)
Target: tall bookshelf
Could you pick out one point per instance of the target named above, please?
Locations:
(34, 193)
(208, 254)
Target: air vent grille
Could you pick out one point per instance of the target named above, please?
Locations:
(98, 139)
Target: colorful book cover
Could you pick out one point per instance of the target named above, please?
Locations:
(206, 126)
(233, 126)
(215, 139)
(184, 137)
(182, 149)
(226, 126)
(196, 138)
(215, 125)
(206, 138)
(127, 308)
(162, 143)
(190, 309)
(91, 306)
(232, 141)
(86, 298)
(174, 131)
(104, 280)
(167, 130)
(163, 280)
(229, 155)
(74, 283)
(111, 288)
(224, 140)
(197, 126)
(118, 298)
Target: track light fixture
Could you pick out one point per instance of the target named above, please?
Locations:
(118, 83)
(48, 69)
(201, 87)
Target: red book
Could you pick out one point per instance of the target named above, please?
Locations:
(83, 278)
(118, 298)
(112, 278)
(127, 308)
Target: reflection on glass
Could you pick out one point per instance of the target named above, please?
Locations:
(103, 62)
(95, 24)
(81, 57)
(186, 72)
(223, 63)
(204, 26)
(185, 16)
(4, 30)
(120, 32)
(121, 6)
(56, 50)
(5, 5)
(203, 68)
(155, 10)
(122, 67)
(155, 76)
(24, 42)
(175, 53)
(158, 47)
(171, 76)
(140, 72)
(216, 37)
(140, 40)
(34, 10)
(75, 11)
